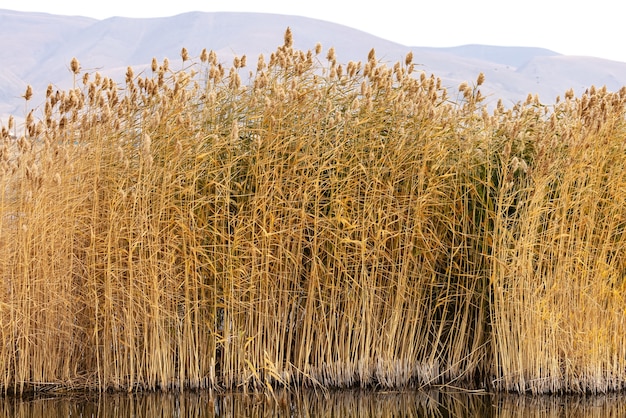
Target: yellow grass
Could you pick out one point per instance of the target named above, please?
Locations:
(311, 223)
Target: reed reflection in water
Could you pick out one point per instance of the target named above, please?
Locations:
(346, 403)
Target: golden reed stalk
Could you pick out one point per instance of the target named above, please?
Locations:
(318, 225)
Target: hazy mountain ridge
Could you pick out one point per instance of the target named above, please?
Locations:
(512, 56)
(36, 48)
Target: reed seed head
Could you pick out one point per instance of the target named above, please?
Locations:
(330, 56)
(481, 79)
(288, 38)
(409, 59)
(234, 133)
(29, 93)
(129, 75)
(371, 56)
(260, 66)
(212, 57)
(146, 144)
(75, 65)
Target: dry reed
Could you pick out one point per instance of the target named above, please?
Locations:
(317, 224)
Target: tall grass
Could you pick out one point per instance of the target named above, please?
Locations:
(559, 306)
(315, 224)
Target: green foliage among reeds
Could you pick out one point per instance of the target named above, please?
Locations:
(317, 224)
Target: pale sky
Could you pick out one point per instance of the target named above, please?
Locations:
(572, 27)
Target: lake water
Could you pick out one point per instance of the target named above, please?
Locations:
(351, 403)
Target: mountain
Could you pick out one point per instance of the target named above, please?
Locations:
(36, 48)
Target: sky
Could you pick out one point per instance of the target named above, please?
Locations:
(570, 27)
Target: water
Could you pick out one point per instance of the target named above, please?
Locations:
(351, 403)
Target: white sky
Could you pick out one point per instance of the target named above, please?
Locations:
(572, 27)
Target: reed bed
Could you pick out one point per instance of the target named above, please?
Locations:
(310, 223)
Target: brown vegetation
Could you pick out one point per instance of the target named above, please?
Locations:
(313, 224)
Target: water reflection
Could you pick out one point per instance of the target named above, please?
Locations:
(353, 403)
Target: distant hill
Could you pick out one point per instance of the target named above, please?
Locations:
(36, 48)
(510, 56)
